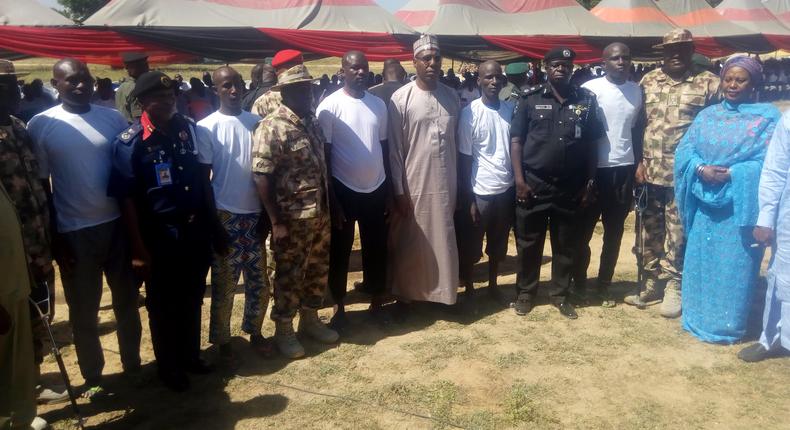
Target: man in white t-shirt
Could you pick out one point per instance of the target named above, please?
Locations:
(487, 194)
(73, 146)
(230, 132)
(619, 151)
(354, 122)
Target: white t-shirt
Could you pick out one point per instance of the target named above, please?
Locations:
(230, 154)
(76, 151)
(355, 127)
(619, 107)
(484, 134)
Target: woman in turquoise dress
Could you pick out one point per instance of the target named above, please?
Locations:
(717, 173)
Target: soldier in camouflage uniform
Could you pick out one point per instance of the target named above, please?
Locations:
(136, 63)
(674, 95)
(289, 162)
(271, 100)
(18, 175)
(516, 82)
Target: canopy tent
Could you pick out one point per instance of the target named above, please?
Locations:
(234, 30)
(31, 29)
(644, 22)
(754, 16)
(780, 9)
(527, 27)
(713, 34)
(418, 14)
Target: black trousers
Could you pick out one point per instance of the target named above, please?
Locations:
(174, 296)
(367, 209)
(558, 212)
(615, 199)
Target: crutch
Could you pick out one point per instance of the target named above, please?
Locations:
(640, 203)
(42, 308)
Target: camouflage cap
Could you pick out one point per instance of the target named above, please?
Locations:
(677, 35)
(295, 75)
(7, 69)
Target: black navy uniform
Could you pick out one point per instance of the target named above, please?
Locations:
(559, 156)
(161, 172)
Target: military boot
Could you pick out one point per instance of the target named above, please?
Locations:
(286, 341)
(649, 296)
(671, 306)
(313, 327)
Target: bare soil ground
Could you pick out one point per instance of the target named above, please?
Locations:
(479, 368)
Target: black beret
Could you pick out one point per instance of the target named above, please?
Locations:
(151, 81)
(559, 53)
(131, 57)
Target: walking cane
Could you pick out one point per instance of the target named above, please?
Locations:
(44, 315)
(640, 203)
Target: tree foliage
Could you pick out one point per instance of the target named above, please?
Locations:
(79, 10)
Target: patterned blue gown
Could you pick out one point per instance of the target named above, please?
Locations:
(720, 266)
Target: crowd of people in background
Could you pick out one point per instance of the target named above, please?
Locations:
(161, 180)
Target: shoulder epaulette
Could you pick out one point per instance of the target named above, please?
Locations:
(127, 135)
(532, 90)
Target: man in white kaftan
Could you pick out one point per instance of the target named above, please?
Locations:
(773, 228)
(423, 116)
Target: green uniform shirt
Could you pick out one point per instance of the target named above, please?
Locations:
(13, 264)
(128, 107)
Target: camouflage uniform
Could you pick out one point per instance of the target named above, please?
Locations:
(291, 151)
(18, 174)
(267, 103)
(128, 106)
(671, 107)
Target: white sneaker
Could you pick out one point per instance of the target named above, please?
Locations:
(39, 424)
(51, 396)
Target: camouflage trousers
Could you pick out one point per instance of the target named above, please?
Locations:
(663, 235)
(302, 261)
(246, 255)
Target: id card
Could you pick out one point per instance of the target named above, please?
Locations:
(578, 133)
(163, 176)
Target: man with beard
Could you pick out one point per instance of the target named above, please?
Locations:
(620, 101)
(162, 183)
(73, 147)
(674, 95)
(229, 130)
(355, 125)
(553, 151)
(423, 117)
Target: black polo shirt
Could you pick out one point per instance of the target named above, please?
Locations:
(558, 139)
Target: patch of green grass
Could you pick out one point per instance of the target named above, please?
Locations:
(434, 351)
(511, 359)
(522, 406)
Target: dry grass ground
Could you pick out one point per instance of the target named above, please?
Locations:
(481, 368)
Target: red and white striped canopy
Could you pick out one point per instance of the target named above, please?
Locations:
(754, 16)
(781, 9)
(418, 14)
(640, 18)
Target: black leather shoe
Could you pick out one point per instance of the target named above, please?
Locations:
(522, 307)
(757, 352)
(199, 367)
(176, 381)
(566, 309)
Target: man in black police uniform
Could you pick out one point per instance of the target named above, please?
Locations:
(553, 134)
(167, 207)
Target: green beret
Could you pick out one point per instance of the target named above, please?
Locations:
(516, 68)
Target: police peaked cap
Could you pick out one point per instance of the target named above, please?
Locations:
(559, 53)
(151, 81)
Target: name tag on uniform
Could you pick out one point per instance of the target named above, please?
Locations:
(163, 176)
(578, 132)
(543, 107)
